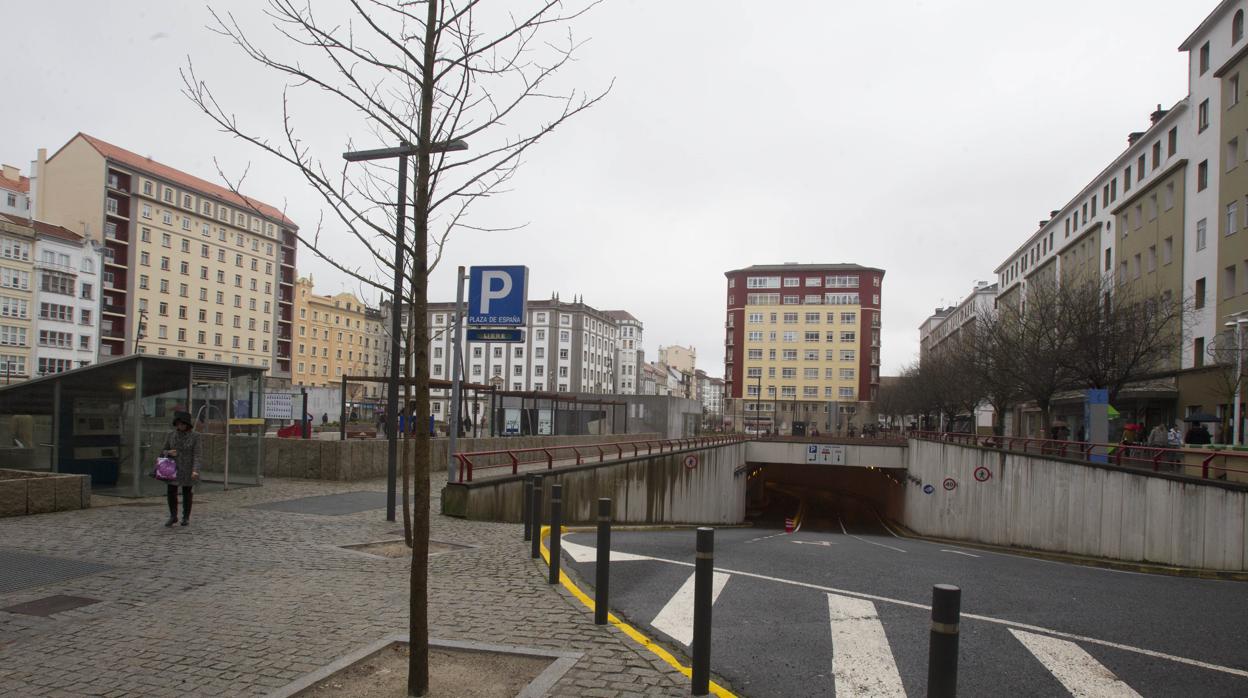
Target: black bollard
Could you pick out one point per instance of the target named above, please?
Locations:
(704, 570)
(602, 573)
(942, 656)
(527, 507)
(537, 517)
(556, 519)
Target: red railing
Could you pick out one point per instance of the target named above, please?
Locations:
(515, 457)
(1195, 462)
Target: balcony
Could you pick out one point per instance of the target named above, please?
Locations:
(113, 309)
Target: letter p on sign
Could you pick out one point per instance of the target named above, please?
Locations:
(497, 295)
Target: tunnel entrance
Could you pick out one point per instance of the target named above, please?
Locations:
(825, 497)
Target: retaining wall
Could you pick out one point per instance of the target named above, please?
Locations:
(656, 489)
(1067, 506)
(363, 459)
(23, 492)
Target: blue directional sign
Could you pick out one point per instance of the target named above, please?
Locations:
(497, 295)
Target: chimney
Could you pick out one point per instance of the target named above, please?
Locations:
(1053, 214)
(11, 172)
(1133, 137)
(1157, 115)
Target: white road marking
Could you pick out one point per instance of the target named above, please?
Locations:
(973, 616)
(1075, 668)
(886, 526)
(825, 543)
(782, 533)
(957, 552)
(676, 617)
(584, 553)
(871, 542)
(862, 661)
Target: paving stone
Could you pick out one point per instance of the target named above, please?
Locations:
(254, 598)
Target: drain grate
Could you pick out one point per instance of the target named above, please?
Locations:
(329, 504)
(50, 605)
(25, 570)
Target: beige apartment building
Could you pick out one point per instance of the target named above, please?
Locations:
(191, 269)
(17, 299)
(337, 336)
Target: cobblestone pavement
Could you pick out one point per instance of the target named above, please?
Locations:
(245, 600)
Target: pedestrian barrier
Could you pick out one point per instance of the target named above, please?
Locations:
(942, 654)
(1205, 463)
(469, 463)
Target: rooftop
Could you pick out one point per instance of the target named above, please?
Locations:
(839, 266)
(42, 228)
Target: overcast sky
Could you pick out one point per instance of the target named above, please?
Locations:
(925, 138)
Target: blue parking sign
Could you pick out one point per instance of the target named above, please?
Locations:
(497, 295)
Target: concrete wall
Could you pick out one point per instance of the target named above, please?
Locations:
(1073, 507)
(857, 452)
(645, 490)
(363, 459)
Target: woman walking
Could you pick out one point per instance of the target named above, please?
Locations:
(182, 445)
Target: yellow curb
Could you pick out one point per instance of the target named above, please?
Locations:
(625, 628)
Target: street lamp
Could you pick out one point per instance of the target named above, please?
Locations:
(1238, 324)
(402, 152)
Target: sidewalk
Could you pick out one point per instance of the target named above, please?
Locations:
(245, 600)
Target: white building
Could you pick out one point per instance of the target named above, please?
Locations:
(629, 356)
(14, 192)
(948, 322)
(711, 393)
(66, 326)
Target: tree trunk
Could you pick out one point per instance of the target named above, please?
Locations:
(418, 622)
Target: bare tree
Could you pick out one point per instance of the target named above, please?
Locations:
(1036, 335)
(398, 72)
(989, 365)
(1117, 336)
(1223, 352)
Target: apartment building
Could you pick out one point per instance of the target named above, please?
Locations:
(946, 324)
(17, 298)
(801, 340)
(629, 355)
(684, 362)
(191, 268)
(14, 192)
(711, 395)
(49, 317)
(338, 336)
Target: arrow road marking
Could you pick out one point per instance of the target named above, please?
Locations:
(676, 618)
(862, 662)
(957, 552)
(782, 533)
(824, 543)
(1075, 668)
(584, 553)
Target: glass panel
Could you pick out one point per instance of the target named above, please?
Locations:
(96, 427)
(246, 428)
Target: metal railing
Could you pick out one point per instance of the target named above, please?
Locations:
(515, 457)
(1205, 463)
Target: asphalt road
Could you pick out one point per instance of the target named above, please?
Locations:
(792, 603)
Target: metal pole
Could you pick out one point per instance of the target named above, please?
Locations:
(305, 418)
(758, 403)
(942, 656)
(602, 573)
(456, 374)
(556, 520)
(342, 410)
(1239, 377)
(537, 517)
(396, 312)
(704, 569)
(527, 506)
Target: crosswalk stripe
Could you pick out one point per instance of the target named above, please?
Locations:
(862, 661)
(676, 617)
(1073, 667)
(584, 553)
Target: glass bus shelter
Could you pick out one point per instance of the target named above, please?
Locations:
(109, 420)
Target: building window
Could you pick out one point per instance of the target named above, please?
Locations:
(1202, 116)
(1200, 234)
(1202, 175)
(1237, 26)
(1232, 218)
(1198, 352)
(1204, 58)
(1232, 85)
(1156, 155)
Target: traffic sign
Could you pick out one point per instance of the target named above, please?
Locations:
(928, 489)
(691, 461)
(502, 334)
(982, 474)
(950, 484)
(497, 295)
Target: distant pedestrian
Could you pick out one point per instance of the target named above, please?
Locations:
(1157, 437)
(324, 418)
(182, 445)
(1198, 435)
